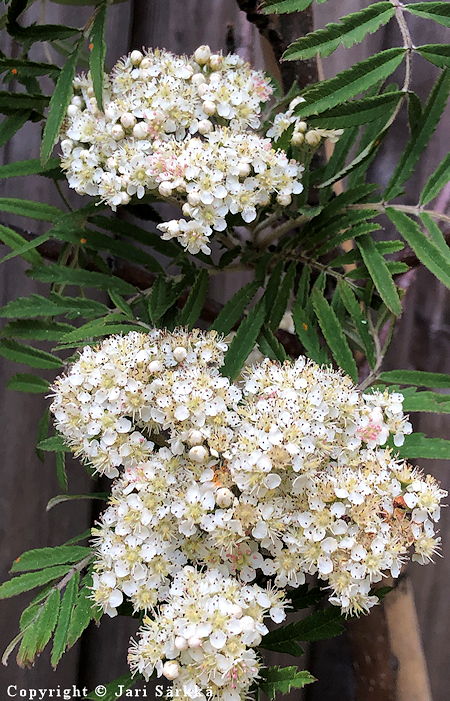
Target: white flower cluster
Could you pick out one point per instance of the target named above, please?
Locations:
(205, 632)
(182, 127)
(226, 487)
(301, 134)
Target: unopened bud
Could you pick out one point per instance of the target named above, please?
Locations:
(297, 138)
(140, 130)
(76, 100)
(216, 62)
(117, 132)
(193, 198)
(136, 58)
(165, 188)
(125, 197)
(90, 91)
(204, 126)
(180, 354)
(202, 89)
(224, 498)
(155, 366)
(181, 643)
(198, 454)
(72, 110)
(128, 120)
(301, 126)
(145, 63)
(186, 209)
(202, 54)
(193, 641)
(243, 169)
(209, 107)
(313, 138)
(195, 437)
(198, 79)
(171, 670)
(284, 200)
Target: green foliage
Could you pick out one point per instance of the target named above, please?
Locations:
(334, 336)
(242, 344)
(282, 680)
(318, 626)
(417, 445)
(436, 181)
(22, 382)
(351, 30)
(48, 557)
(98, 52)
(379, 272)
(122, 684)
(437, 11)
(195, 301)
(31, 580)
(356, 112)
(65, 615)
(284, 6)
(234, 308)
(417, 378)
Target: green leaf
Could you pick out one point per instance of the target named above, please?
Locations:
(270, 346)
(320, 625)
(98, 52)
(195, 301)
(47, 620)
(22, 382)
(423, 132)
(42, 431)
(98, 329)
(278, 308)
(349, 233)
(28, 208)
(61, 498)
(339, 155)
(27, 68)
(83, 612)
(356, 112)
(242, 344)
(431, 402)
(433, 257)
(273, 287)
(418, 446)
(439, 54)
(418, 378)
(278, 7)
(59, 103)
(82, 278)
(12, 124)
(26, 355)
(148, 238)
(30, 167)
(31, 580)
(27, 246)
(414, 110)
(354, 256)
(282, 679)
(351, 30)
(48, 557)
(36, 305)
(360, 321)
(36, 329)
(333, 333)
(436, 181)
(234, 308)
(65, 614)
(112, 689)
(303, 597)
(61, 472)
(349, 83)
(436, 235)
(10, 102)
(54, 444)
(379, 272)
(162, 297)
(437, 11)
(121, 304)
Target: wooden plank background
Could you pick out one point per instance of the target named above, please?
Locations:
(421, 342)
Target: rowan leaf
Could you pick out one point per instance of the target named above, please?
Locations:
(353, 307)
(351, 30)
(270, 346)
(29, 208)
(22, 382)
(356, 112)
(437, 11)
(31, 580)
(282, 679)
(417, 445)
(419, 378)
(26, 355)
(98, 52)
(48, 557)
(334, 335)
(12, 124)
(234, 308)
(278, 7)
(436, 181)
(243, 342)
(65, 615)
(434, 258)
(439, 54)
(195, 301)
(379, 272)
(351, 82)
(82, 278)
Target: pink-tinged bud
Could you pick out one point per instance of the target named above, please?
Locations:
(165, 188)
(171, 670)
(128, 120)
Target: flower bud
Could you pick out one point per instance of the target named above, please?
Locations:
(165, 188)
(136, 58)
(224, 498)
(110, 114)
(193, 641)
(180, 354)
(155, 366)
(72, 110)
(301, 126)
(90, 91)
(111, 162)
(313, 138)
(202, 89)
(243, 169)
(117, 132)
(204, 126)
(76, 100)
(198, 79)
(216, 62)
(181, 643)
(193, 198)
(209, 107)
(202, 54)
(195, 437)
(297, 138)
(171, 669)
(145, 63)
(140, 130)
(198, 454)
(125, 197)
(284, 200)
(128, 120)
(186, 209)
